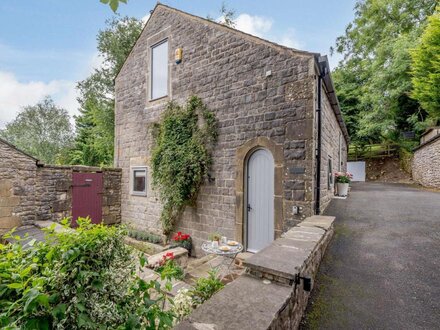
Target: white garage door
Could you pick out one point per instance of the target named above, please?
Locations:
(357, 169)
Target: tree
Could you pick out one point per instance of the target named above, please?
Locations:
(376, 48)
(426, 68)
(114, 4)
(95, 124)
(227, 16)
(42, 130)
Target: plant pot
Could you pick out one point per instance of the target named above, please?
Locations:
(342, 189)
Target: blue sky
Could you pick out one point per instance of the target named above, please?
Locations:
(46, 46)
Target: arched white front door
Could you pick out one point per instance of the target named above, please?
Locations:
(260, 200)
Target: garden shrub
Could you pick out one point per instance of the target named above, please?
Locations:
(168, 268)
(181, 156)
(188, 299)
(83, 278)
(145, 236)
(205, 287)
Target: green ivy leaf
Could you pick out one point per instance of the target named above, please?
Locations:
(59, 311)
(15, 285)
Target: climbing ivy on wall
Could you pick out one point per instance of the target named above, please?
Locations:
(181, 157)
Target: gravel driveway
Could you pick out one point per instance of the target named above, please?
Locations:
(382, 268)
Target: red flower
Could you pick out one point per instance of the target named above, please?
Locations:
(180, 237)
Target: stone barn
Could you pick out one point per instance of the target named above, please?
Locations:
(31, 191)
(281, 132)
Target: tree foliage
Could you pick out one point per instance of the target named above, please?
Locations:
(94, 143)
(42, 130)
(181, 157)
(227, 16)
(376, 48)
(114, 4)
(426, 68)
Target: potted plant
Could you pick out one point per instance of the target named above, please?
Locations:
(215, 237)
(343, 180)
(183, 240)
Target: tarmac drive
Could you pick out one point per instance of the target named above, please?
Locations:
(382, 267)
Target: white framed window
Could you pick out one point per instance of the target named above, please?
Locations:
(159, 70)
(138, 180)
(330, 173)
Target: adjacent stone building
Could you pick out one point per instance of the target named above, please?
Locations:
(17, 186)
(31, 191)
(426, 159)
(280, 127)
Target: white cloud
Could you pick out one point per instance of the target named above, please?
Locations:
(262, 27)
(145, 18)
(289, 39)
(255, 25)
(15, 94)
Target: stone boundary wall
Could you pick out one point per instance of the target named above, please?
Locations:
(426, 163)
(269, 296)
(17, 187)
(54, 192)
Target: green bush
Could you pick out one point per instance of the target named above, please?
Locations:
(205, 287)
(82, 278)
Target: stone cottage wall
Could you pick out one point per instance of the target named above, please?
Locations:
(230, 73)
(17, 187)
(426, 164)
(333, 149)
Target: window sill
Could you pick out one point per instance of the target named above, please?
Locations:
(158, 99)
(142, 194)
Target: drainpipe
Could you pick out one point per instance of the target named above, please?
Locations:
(322, 73)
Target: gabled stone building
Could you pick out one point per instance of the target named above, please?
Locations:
(281, 133)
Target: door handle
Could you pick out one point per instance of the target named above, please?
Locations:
(249, 208)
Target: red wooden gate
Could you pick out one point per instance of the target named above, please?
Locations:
(86, 196)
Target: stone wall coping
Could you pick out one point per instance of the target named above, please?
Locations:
(82, 168)
(433, 139)
(286, 256)
(242, 304)
(253, 302)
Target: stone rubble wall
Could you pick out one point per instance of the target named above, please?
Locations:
(17, 187)
(426, 164)
(54, 192)
(333, 148)
(31, 192)
(268, 297)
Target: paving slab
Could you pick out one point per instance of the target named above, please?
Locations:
(27, 234)
(279, 261)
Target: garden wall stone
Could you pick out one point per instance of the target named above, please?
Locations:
(30, 191)
(268, 297)
(426, 163)
(54, 192)
(17, 187)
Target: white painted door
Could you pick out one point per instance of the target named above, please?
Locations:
(260, 199)
(357, 169)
